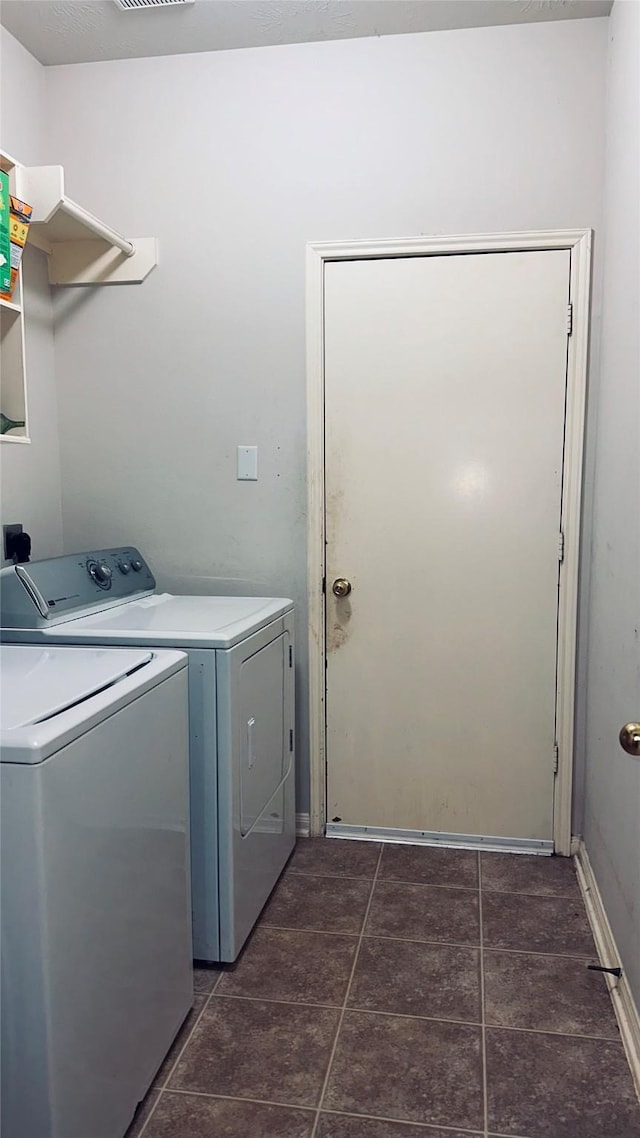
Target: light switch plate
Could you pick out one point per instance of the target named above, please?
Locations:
(247, 464)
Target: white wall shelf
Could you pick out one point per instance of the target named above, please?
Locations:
(11, 305)
(13, 391)
(81, 248)
(13, 385)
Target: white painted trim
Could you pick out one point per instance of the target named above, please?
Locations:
(302, 826)
(577, 364)
(531, 846)
(578, 241)
(315, 533)
(626, 1010)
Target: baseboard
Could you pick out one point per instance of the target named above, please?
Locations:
(575, 845)
(303, 825)
(624, 1004)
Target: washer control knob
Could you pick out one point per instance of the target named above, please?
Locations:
(101, 572)
(136, 565)
(124, 566)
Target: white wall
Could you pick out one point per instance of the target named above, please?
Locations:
(234, 160)
(612, 806)
(30, 474)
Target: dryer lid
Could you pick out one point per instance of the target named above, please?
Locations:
(37, 683)
(166, 620)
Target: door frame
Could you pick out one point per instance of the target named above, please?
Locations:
(578, 242)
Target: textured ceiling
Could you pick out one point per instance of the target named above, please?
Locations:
(79, 32)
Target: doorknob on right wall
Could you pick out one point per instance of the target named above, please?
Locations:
(630, 739)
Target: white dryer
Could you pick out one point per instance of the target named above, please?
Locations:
(95, 900)
(241, 712)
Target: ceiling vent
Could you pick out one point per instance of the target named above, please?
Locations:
(137, 5)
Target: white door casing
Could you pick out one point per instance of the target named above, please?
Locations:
(574, 264)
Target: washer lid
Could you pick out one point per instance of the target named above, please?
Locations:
(38, 683)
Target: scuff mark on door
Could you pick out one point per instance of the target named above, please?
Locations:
(338, 623)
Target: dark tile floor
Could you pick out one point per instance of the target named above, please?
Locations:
(403, 992)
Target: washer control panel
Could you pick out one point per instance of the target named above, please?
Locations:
(109, 569)
(96, 579)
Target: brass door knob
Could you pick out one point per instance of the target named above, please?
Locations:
(630, 739)
(341, 587)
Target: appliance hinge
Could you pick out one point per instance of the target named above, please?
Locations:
(324, 584)
(561, 547)
(291, 740)
(291, 656)
(569, 319)
(556, 757)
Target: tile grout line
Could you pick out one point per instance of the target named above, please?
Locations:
(413, 1015)
(485, 1096)
(526, 893)
(188, 1092)
(386, 881)
(442, 943)
(436, 885)
(368, 1011)
(577, 956)
(428, 1127)
(356, 954)
(161, 1089)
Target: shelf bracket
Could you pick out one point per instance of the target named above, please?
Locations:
(96, 262)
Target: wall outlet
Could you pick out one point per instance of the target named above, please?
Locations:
(8, 535)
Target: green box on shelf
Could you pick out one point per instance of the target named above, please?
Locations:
(5, 239)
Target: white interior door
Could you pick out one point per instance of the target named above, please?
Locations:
(445, 380)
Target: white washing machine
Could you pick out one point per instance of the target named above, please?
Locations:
(241, 712)
(95, 900)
